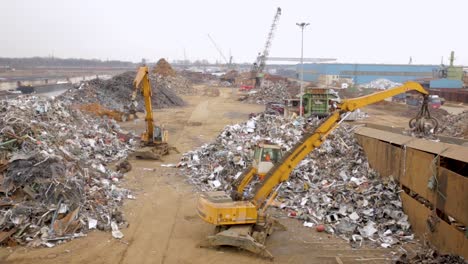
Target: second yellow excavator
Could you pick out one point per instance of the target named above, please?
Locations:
(242, 221)
(154, 139)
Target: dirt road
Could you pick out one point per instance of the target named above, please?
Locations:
(164, 227)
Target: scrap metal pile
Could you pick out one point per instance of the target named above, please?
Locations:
(430, 256)
(54, 183)
(454, 125)
(198, 77)
(115, 93)
(165, 77)
(269, 92)
(178, 84)
(380, 84)
(333, 185)
(449, 125)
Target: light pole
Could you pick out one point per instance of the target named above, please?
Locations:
(302, 26)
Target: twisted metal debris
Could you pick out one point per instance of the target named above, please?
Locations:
(430, 256)
(454, 125)
(54, 183)
(269, 92)
(333, 185)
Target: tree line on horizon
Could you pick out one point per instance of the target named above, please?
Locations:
(59, 62)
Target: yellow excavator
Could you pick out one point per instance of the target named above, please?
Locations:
(241, 219)
(154, 139)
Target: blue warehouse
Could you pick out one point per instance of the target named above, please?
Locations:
(365, 73)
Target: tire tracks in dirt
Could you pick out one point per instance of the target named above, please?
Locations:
(176, 216)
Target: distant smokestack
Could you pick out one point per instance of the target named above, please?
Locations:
(452, 57)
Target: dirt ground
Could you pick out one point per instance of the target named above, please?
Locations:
(163, 225)
(386, 115)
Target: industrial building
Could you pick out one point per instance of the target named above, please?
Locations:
(326, 73)
(448, 81)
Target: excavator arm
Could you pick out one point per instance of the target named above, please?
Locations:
(142, 81)
(312, 140)
(243, 180)
(283, 168)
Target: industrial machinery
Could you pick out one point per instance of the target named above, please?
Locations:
(240, 218)
(319, 102)
(154, 139)
(259, 65)
(450, 76)
(228, 63)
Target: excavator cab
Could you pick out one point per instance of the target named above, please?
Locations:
(266, 155)
(160, 134)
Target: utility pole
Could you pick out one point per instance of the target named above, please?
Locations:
(302, 26)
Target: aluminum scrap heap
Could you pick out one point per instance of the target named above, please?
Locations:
(54, 183)
(380, 84)
(333, 185)
(115, 93)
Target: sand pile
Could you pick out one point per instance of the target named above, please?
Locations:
(163, 68)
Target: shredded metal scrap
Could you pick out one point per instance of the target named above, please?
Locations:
(269, 92)
(54, 182)
(333, 185)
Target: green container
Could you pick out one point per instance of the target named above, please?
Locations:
(455, 73)
(317, 103)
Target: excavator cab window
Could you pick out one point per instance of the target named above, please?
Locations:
(257, 153)
(271, 155)
(157, 134)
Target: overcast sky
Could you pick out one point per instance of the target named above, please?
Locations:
(366, 31)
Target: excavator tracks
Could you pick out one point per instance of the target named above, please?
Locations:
(250, 237)
(152, 152)
(240, 236)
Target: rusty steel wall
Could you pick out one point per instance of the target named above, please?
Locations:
(454, 95)
(434, 177)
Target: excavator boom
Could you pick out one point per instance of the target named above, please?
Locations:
(355, 103)
(142, 80)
